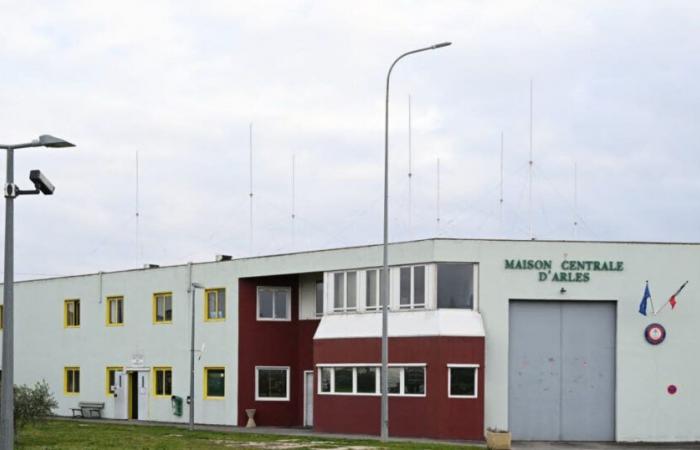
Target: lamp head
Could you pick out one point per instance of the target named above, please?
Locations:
(441, 44)
(53, 142)
(196, 285)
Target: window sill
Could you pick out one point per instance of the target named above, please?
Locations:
(162, 322)
(214, 398)
(115, 324)
(270, 319)
(215, 320)
(271, 399)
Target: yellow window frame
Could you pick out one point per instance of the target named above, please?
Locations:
(70, 390)
(75, 301)
(155, 307)
(107, 384)
(157, 371)
(218, 300)
(110, 299)
(206, 378)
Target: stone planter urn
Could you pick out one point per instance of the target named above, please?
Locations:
(497, 439)
(251, 422)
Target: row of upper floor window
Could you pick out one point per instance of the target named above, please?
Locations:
(115, 307)
(214, 380)
(419, 286)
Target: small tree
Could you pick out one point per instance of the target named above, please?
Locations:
(33, 404)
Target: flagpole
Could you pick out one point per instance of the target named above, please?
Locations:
(651, 300)
(673, 296)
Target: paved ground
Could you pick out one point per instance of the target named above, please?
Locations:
(516, 445)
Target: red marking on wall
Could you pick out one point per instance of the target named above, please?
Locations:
(672, 389)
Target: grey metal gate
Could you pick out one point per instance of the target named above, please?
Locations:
(561, 380)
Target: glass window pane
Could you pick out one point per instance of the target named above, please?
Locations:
(343, 380)
(221, 304)
(159, 382)
(216, 383)
(120, 311)
(272, 383)
(366, 380)
(394, 380)
(462, 381)
(405, 286)
(281, 304)
(419, 285)
(160, 306)
(265, 303)
(77, 312)
(326, 379)
(211, 305)
(168, 382)
(76, 380)
(372, 289)
(319, 298)
(352, 290)
(415, 380)
(338, 290)
(455, 285)
(168, 307)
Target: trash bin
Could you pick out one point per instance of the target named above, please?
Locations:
(176, 403)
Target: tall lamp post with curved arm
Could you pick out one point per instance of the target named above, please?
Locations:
(44, 186)
(385, 271)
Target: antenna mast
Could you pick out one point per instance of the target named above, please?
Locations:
(293, 202)
(575, 199)
(437, 202)
(530, 171)
(500, 199)
(410, 173)
(138, 247)
(250, 250)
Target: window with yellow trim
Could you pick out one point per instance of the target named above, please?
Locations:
(163, 381)
(215, 304)
(214, 382)
(115, 310)
(111, 379)
(2, 317)
(71, 313)
(163, 307)
(71, 383)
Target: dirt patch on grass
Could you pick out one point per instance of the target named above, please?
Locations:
(290, 444)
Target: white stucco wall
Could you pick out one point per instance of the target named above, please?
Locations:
(644, 410)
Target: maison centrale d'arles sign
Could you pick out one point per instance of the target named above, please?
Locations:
(566, 271)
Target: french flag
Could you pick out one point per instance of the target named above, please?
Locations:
(672, 300)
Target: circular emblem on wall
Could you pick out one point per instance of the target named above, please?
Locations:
(672, 389)
(655, 333)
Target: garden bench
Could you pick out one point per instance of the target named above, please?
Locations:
(88, 410)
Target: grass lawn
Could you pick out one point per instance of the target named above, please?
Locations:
(61, 434)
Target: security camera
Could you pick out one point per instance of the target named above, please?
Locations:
(41, 182)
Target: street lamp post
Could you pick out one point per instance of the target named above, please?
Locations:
(385, 271)
(193, 287)
(41, 184)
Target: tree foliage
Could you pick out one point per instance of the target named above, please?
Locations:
(33, 403)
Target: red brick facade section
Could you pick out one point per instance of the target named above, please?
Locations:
(434, 415)
(272, 343)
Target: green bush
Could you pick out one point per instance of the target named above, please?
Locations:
(33, 404)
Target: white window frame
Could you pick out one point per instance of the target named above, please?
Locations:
(344, 307)
(274, 289)
(412, 292)
(463, 366)
(378, 306)
(355, 366)
(271, 399)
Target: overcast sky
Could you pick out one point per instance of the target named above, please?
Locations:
(615, 87)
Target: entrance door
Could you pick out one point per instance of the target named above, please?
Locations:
(121, 402)
(143, 395)
(561, 380)
(133, 395)
(308, 398)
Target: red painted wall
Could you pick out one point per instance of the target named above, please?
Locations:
(272, 343)
(434, 415)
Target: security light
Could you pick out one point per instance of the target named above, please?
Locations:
(41, 182)
(197, 285)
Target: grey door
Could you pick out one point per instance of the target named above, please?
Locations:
(561, 382)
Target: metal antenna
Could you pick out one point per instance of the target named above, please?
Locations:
(293, 201)
(410, 173)
(500, 199)
(250, 250)
(530, 171)
(575, 199)
(437, 200)
(138, 246)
